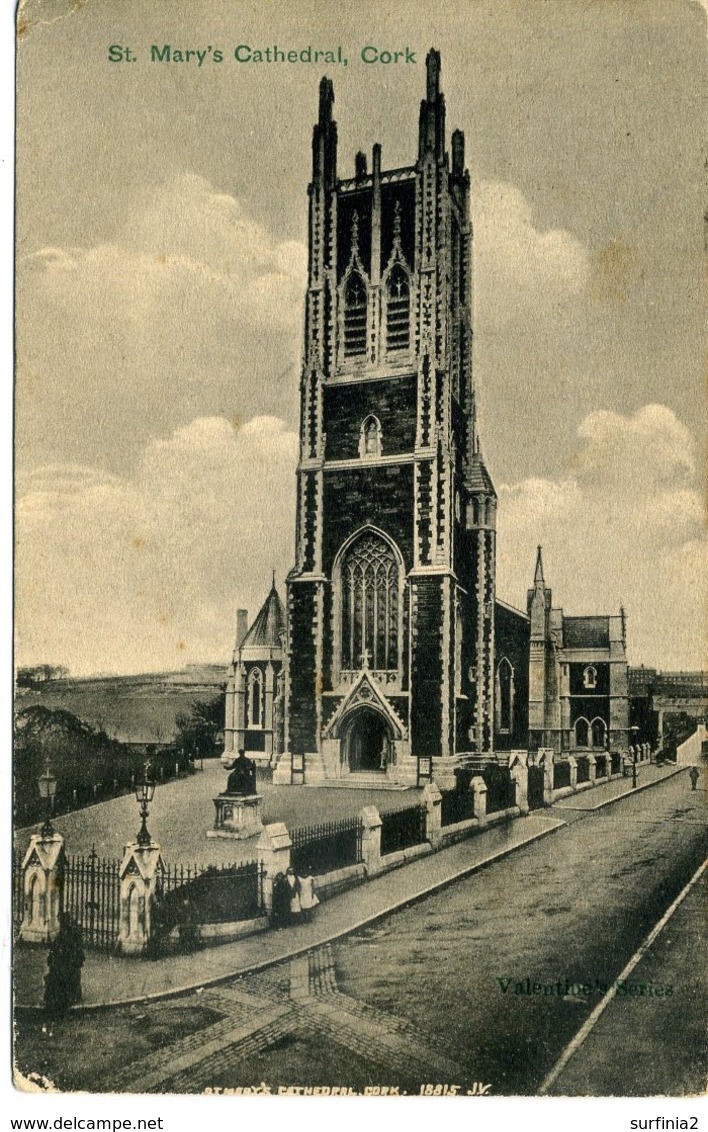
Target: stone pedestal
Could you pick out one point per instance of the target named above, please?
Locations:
(140, 873)
(41, 886)
(237, 816)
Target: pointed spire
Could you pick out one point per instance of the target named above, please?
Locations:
(431, 136)
(538, 576)
(273, 584)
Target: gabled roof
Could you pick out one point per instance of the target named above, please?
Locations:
(586, 632)
(266, 630)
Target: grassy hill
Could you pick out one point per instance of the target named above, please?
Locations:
(137, 709)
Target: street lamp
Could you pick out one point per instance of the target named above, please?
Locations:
(144, 793)
(47, 791)
(635, 731)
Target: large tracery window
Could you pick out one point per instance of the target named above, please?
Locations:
(370, 593)
(398, 310)
(355, 307)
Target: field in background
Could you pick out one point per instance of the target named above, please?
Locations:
(135, 709)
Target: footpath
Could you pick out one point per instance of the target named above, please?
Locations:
(109, 981)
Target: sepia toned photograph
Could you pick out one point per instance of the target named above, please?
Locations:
(360, 636)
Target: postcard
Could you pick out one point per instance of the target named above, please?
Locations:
(360, 740)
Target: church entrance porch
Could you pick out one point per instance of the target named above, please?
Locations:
(366, 742)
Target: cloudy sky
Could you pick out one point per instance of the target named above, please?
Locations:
(161, 224)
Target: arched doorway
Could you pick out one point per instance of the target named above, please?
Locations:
(366, 741)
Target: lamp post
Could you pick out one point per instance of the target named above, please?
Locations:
(635, 731)
(47, 791)
(144, 793)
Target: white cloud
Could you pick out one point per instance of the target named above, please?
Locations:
(626, 526)
(192, 309)
(140, 574)
(516, 266)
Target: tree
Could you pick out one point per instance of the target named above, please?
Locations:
(197, 730)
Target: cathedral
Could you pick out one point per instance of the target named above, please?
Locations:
(393, 661)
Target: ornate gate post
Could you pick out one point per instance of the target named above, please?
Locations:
(573, 771)
(140, 872)
(42, 879)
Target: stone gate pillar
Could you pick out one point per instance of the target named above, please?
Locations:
(371, 839)
(518, 768)
(274, 847)
(432, 800)
(42, 879)
(573, 771)
(140, 873)
(479, 799)
(546, 759)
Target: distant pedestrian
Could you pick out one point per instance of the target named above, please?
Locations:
(188, 927)
(62, 983)
(308, 897)
(293, 895)
(693, 775)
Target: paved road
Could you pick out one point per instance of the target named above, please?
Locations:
(436, 993)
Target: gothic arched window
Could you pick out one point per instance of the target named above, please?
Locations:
(255, 693)
(582, 732)
(398, 310)
(355, 307)
(598, 733)
(370, 438)
(590, 677)
(370, 600)
(505, 695)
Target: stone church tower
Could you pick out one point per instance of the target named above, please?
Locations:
(390, 605)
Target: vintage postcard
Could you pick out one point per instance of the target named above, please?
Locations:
(360, 643)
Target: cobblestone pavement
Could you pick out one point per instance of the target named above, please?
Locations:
(258, 1011)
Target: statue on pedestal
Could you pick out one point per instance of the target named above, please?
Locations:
(242, 779)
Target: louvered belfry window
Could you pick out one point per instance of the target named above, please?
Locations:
(398, 311)
(355, 317)
(370, 591)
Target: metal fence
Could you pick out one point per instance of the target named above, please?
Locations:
(601, 766)
(501, 788)
(583, 769)
(561, 775)
(91, 895)
(615, 762)
(457, 805)
(318, 849)
(403, 828)
(208, 894)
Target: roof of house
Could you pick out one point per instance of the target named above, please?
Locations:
(266, 630)
(586, 632)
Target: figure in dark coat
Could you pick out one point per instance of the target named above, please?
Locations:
(280, 913)
(62, 983)
(693, 775)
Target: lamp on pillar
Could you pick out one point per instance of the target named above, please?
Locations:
(144, 793)
(47, 783)
(634, 731)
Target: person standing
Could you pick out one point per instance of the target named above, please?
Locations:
(293, 895)
(308, 897)
(693, 775)
(62, 983)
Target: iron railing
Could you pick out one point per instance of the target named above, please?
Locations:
(583, 769)
(561, 775)
(501, 788)
(403, 828)
(601, 766)
(318, 849)
(457, 805)
(90, 887)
